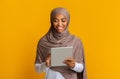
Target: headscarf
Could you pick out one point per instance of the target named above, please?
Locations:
(64, 39)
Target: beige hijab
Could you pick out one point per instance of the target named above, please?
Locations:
(64, 39)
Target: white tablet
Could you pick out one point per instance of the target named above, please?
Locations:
(59, 54)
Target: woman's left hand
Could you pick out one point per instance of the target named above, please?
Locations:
(70, 62)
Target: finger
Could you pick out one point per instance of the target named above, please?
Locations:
(70, 64)
(66, 62)
(70, 59)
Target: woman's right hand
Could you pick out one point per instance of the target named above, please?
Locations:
(48, 60)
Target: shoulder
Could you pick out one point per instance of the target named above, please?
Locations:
(77, 41)
(77, 38)
(42, 40)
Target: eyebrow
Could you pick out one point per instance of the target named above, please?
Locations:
(61, 18)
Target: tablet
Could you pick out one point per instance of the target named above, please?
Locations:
(59, 54)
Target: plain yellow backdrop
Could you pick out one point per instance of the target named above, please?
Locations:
(24, 22)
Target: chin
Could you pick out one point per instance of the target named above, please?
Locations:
(60, 31)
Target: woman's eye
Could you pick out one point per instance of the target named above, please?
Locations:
(55, 20)
(63, 20)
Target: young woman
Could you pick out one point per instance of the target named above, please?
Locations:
(59, 36)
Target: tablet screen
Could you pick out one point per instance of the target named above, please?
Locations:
(59, 54)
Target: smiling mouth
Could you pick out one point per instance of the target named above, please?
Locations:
(59, 27)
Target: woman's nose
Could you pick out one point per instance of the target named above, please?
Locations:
(60, 23)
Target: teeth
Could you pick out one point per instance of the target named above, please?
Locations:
(59, 28)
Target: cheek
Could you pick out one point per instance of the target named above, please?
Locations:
(65, 24)
(54, 24)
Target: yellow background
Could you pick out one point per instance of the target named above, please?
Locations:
(23, 22)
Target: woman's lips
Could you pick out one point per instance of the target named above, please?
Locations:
(60, 28)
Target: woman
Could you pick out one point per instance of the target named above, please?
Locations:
(59, 36)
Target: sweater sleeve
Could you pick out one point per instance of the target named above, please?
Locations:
(41, 67)
(78, 67)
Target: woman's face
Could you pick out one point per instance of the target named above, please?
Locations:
(59, 22)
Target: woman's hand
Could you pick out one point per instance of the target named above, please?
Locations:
(48, 60)
(70, 62)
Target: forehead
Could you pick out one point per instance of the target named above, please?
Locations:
(59, 16)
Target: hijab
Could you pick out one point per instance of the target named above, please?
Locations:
(64, 39)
